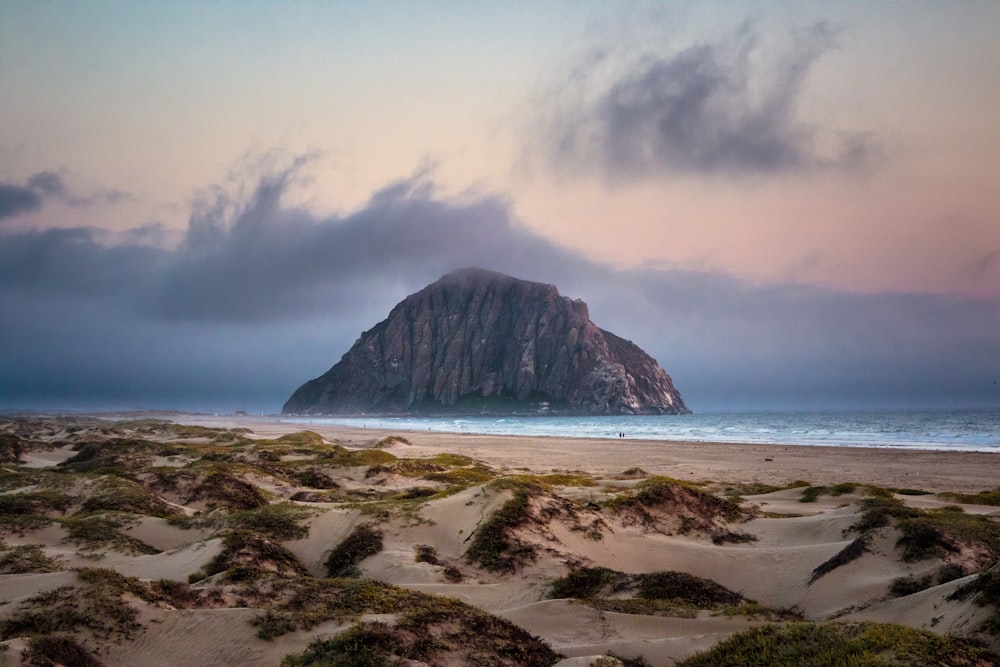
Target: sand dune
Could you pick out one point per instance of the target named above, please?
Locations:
(430, 511)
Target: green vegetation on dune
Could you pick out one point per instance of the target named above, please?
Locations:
(249, 555)
(51, 650)
(442, 632)
(669, 593)
(981, 498)
(493, 545)
(27, 558)
(364, 541)
(985, 590)
(849, 644)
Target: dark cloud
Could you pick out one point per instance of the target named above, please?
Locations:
(261, 296)
(15, 199)
(724, 107)
(49, 186)
(48, 183)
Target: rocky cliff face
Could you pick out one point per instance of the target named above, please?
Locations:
(483, 342)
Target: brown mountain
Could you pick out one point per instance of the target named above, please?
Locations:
(477, 342)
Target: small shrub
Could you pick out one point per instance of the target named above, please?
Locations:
(811, 494)
(694, 590)
(854, 644)
(950, 572)
(271, 625)
(364, 541)
(732, 537)
(279, 521)
(27, 558)
(102, 531)
(981, 498)
(426, 554)
(903, 586)
(314, 478)
(493, 547)
(582, 583)
(249, 555)
(51, 650)
(877, 512)
(851, 552)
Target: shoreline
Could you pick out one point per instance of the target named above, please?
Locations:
(727, 463)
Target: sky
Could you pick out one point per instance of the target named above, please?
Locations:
(789, 205)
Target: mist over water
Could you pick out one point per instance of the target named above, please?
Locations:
(955, 430)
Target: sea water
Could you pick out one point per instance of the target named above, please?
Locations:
(958, 430)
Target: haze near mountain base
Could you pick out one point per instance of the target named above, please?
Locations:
(480, 342)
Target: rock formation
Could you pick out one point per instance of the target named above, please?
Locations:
(481, 342)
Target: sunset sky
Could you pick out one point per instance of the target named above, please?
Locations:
(789, 205)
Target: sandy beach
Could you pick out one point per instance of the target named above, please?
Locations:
(775, 533)
(720, 462)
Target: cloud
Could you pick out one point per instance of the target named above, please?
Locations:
(15, 199)
(728, 107)
(49, 186)
(261, 296)
(48, 183)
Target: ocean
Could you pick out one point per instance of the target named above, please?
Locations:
(953, 430)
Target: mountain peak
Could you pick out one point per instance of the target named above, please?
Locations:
(478, 341)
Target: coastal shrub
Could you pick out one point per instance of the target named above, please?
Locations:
(853, 644)
(811, 494)
(732, 537)
(434, 631)
(938, 533)
(11, 448)
(703, 593)
(364, 541)
(314, 478)
(582, 583)
(271, 625)
(123, 495)
(462, 477)
(364, 645)
(95, 604)
(494, 547)
(981, 498)
(662, 502)
(391, 440)
(669, 593)
(985, 590)
(345, 458)
(302, 438)
(567, 479)
(736, 492)
(279, 521)
(224, 488)
(51, 650)
(103, 531)
(452, 460)
(35, 502)
(857, 548)
(878, 512)
(249, 555)
(426, 554)
(26, 558)
(949, 572)
(903, 586)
